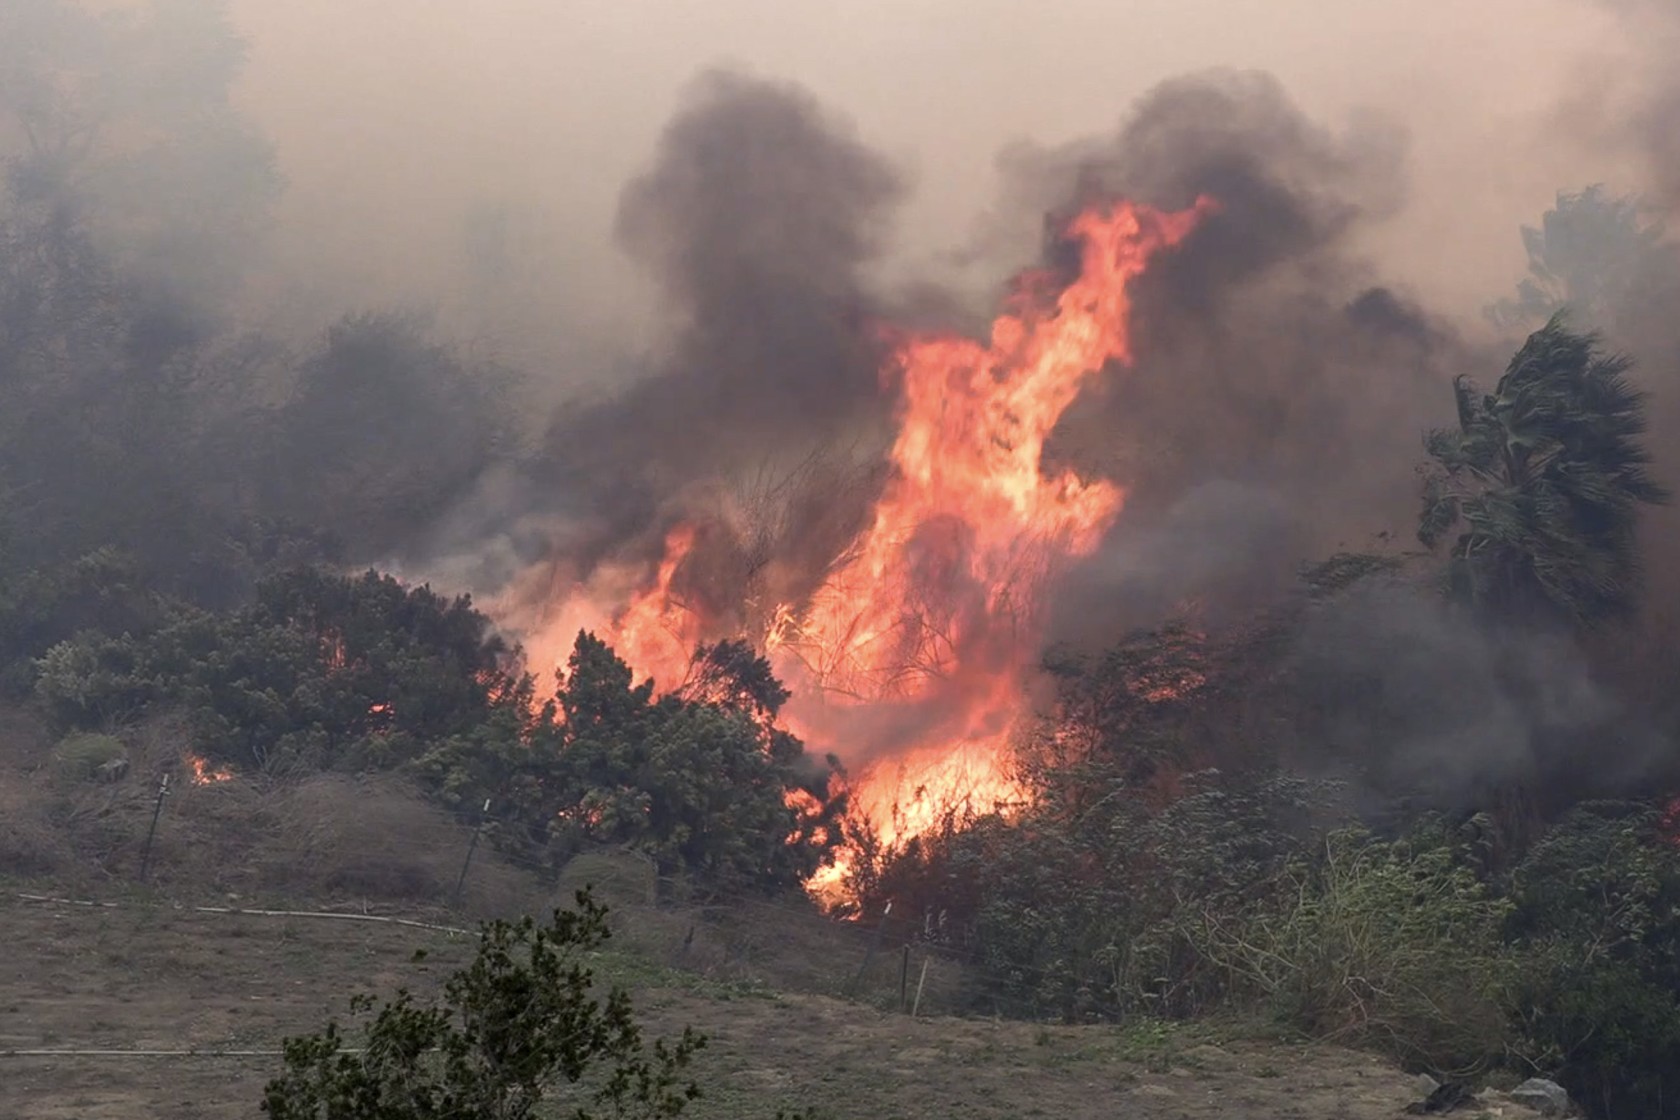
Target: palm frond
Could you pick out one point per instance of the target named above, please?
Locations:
(1546, 474)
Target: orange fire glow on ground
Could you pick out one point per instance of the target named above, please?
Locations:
(912, 661)
(204, 774)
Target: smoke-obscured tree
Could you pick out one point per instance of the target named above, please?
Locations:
(101, 439)
(518, 1033)
(384, 431)
(1599, 256)
(132, 192)
(122, 118)
(1543, 479)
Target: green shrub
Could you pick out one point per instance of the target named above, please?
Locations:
(699, 787)
(1395, 945)
(81, 755)
(1073, 909)
(516, 1031)
(1597, 903)
(322, 670)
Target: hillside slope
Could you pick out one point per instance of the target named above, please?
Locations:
(148, 976)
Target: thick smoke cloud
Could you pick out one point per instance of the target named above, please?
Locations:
(1268, 353)
(1223, 546)
(1265, 349)
(759, 220)
(1638, 107)
(1408, 697)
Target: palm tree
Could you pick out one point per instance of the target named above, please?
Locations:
(1544, 477)
(1598, 254)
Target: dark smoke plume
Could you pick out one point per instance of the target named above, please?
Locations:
(758, 220)
(1267, 351)
(1407, 697)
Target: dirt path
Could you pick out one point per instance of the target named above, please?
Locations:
(154, 978)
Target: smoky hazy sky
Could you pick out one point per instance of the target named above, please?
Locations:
(396, 121)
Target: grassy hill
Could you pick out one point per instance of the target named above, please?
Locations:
(802, 1011)
(144, 975)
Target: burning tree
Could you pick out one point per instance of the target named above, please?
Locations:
(914, 647)
(705, 785)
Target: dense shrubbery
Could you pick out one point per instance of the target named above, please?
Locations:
(1597, 906)
(701, 786)
(1159, 872)
(319, 671)
(1232, 898)
(324, 672)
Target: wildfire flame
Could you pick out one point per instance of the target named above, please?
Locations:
(204, 774)
(913, 659)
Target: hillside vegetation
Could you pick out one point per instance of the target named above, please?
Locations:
(1417, 810)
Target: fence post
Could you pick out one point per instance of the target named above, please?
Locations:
(157, 811)
(874, 944)
(904, 980)
(917, 1009)
(472, 846)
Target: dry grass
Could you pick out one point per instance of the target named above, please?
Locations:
(321, 836)
(147, 976)
(375, 843)
(375, 837)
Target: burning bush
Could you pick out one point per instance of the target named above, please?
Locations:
(710, 789)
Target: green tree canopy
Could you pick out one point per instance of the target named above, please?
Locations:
(322, 668)
(1543, 478)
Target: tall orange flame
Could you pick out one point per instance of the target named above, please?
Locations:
(912, 660)
(938, 612)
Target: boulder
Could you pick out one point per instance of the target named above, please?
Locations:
(1548, 1098)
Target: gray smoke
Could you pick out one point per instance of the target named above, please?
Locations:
(1221, 548)
(1638, 108)
(1267, 350)
(758, 219)
(1412, 698)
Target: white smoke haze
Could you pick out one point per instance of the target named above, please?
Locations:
(400, 125)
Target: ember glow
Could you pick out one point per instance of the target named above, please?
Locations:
(204, 774)
(912, 659)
